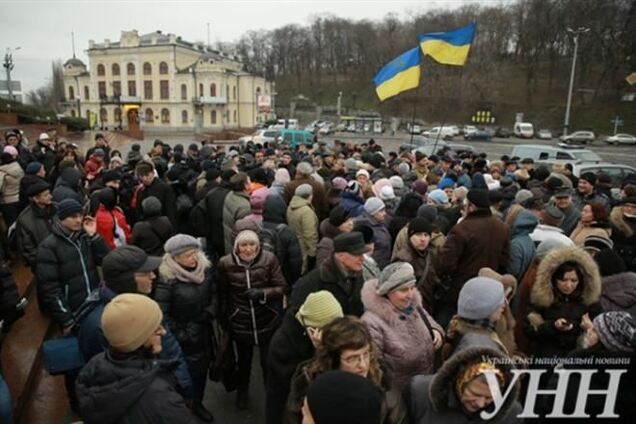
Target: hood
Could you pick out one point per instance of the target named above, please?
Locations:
(617, 218)
(70, 177)
(381, 306)
(620, 290)
(107, 389)
(244, 224)
(257, 199)
(14, 169)
(409, 205)
(542, 293)
(471, 347)
(298, 202)
(524, 224)
(275, 209)
(327, 229)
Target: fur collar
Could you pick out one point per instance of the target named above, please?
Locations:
(381, 306)
(542, 294)
(618, 219)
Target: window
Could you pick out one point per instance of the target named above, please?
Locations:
(117, 115)
(147, 69)
(563, 156)
(150, 116)
(116, 88)
(148, 90)
(103, 116)
(71, 93)
(258, 90)
(163, 68)
(101, 89)
(184, 116)
(227, 91)
(234, 94)
(200, 90)
(165, 116)
(184, 92)
(212, 90)
(164, 90)
(72, 113)
(213, 117)
(130, 69)
(86, 93)
(234, 117)
(115, 68)
(101, 71)
(88, 115)
(132, 88)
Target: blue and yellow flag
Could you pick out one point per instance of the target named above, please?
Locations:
(400, 74)
(449, 48)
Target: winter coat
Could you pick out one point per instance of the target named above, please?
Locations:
(522, 248)
(105, 220)
(33, 225)
(547, 304)
(166, 196)
(431, 399)
(544, 232)
(571, 217)
(618, 293)
(10, 176)
(404, 341)
(235, 206)
(66, 271)
(133, 390)
(581, 232)
(328, 276)
(325, 245)
(289, 346)
(67, 186)
(250, 321)
(257, 202)
(624, 237)
(405, 213)
(381, 239)
(46, 156)
(93, 168)
(319, 195)
(425, 273)
(580, 200)
(480, 240)
(207, 219)
(352, 203)
(303, 221)
(289, 254)
(434, 246)
(151, 234)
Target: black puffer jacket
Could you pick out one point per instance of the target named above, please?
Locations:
(133, 390)
(166, 196)
(67, 186)
(66, 271)
(207, 219)
(251, 321)
(33, 226)
(289, 255)
(151, 233)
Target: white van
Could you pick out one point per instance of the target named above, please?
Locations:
(292, 124)
(523, 130)
(443, 133)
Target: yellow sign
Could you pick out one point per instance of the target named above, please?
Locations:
(631, 78)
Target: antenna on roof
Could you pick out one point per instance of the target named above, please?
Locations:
(73, 43)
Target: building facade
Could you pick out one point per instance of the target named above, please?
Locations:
(159, 82)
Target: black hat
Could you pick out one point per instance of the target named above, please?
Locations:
(352, 243)
(527, 161)
(365, 230)
(68, 207)
(551, 215)
(563, 192)
(338, 216)
(120, 265)
(420, 225)
(377, 160)
(590, 177)
(495, 196)
(98, 136)
(111, 175)
(553, 183)
(631, 200)
(479, 198)
(37, 187)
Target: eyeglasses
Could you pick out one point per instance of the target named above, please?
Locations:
(357, 359)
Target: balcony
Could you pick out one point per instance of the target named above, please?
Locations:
(130, 99)
(208, 100)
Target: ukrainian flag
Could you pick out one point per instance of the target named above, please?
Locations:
(449, 48)
(400, 74)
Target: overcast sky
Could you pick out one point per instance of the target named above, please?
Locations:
(43, 28)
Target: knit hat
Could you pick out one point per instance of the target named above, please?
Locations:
(304, 168)
(523, 195)
(363, 172)
(420, 187)
(319, 309)
(68, 207)
(151, 206)
(338, 216)
(597, 243)
(428, 212)
(373, 205)
(353, 187)
(396, 182)
(387, 193)
(304, 191)
(112, 175)
(460, 193)
(129, 320)
(590, 177)
(99, 152)
(33, 168)
(340, 397)
(438, 197)
(548, 245)
(395, 276)
(339, 183)
(551, 215)
(246, 235)
(10, 150)
(351, 164)
(37, 187)
(120, 265)
(404, 168)
(479, 198)
(479, 298)
(180, 243)
(420, 225)
(282, 176)
(446, 183)
(616, 330)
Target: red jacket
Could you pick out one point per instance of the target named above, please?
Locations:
(93, 168)
(105, 220)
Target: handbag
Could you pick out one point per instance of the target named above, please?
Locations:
(224, 368)
(62, 355)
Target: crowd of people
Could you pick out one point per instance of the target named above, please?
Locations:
(376, 287)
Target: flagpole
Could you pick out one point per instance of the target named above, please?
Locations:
(413, 120)
(461, 70)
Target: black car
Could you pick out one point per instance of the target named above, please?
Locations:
(482, 134)
(503, 132)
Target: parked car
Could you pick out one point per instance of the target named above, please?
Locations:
(544, 134)
(461, 148)
(523, 130)
(469, 129)
(583, 137)
(563, 153)
(326, 129)
(296, 137)
(503, 132)
(415, 129)
(616, 172)
(261, 136)
(482, 134)
(445, 133)
(621, 139)
(351, 127)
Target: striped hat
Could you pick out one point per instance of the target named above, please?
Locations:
(616, 330)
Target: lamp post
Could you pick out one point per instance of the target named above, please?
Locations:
(339, 103)
(8, 65)
(575, 34)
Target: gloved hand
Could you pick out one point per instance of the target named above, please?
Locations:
(255, 295)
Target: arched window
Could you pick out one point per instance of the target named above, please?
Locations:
(71, 93)
(147, 68)
(184, 92)
(200, 90)
(212, 90)
(213, 117)
(130, 69)
(72, 113)
(165, 116)
(117, 115)
(163, 68)
(86, 93)
(103, 116)
(258, 90)
(234, 117)
(115, 68)
(150, 116)
(101, 70)
(234, 93)
(184, 116)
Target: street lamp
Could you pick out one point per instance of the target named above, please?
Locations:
(8, 65)
(339, 103)
(575, 34)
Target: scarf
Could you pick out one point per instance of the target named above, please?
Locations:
(196, 276)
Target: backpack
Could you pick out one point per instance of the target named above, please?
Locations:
(270, 240)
